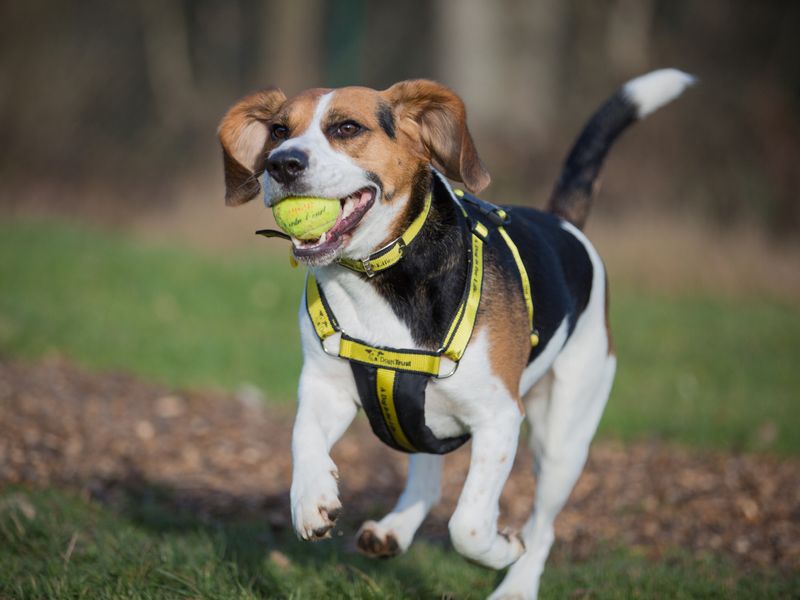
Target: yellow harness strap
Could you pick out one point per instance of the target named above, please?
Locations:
(392, 252)
(415, 361)
(385, 387)
(403, 360)
(526, 284)
(523, 272)
(463, 323)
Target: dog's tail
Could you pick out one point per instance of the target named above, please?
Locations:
(572, 196)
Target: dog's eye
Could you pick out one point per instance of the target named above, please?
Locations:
(279, 132)
(347, 129)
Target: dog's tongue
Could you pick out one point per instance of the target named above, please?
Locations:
(355, 205)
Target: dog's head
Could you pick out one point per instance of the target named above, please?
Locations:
(371, 149)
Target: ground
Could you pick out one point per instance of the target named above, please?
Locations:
(111, 438)
(117, 482)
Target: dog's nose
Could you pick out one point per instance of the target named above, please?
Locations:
(287, 165)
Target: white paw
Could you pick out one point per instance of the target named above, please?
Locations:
(496, 552)
(377, 542)
(315, 503)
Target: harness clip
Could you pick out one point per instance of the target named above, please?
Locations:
(479, 229)
(451, 373)
(367, 264)
(338, 339)
(498, 217)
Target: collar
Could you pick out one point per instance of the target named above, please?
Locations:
(392, 252)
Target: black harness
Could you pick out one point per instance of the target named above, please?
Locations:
(391, 382)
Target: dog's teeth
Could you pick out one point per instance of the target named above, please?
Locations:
(323, 238)
(349, 207)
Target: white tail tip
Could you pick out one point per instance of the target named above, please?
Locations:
(655, 89)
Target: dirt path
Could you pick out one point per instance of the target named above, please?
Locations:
(227, 454)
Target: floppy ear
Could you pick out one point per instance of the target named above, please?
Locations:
(243, 134)
(441, 119)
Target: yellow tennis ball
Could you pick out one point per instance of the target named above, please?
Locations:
(306, 218)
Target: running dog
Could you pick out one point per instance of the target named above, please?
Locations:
(444, 317)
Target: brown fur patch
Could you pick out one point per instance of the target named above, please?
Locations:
(503, 312)
(429, 124)
(436, 118)
(244, 135)
(395, 161)
(296, 114)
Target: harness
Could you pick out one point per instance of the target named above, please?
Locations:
(391, 382)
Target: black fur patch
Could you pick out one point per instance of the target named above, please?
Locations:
(559, 269)
(386, 120)
(572, 195)
(425, 287)
(375, 178)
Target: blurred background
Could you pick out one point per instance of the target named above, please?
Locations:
(110, 107)
(149, 351)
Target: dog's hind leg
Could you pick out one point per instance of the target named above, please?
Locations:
(564, 409)
(393, 534)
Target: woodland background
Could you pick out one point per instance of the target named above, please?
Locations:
(149, 349)
(113, 105)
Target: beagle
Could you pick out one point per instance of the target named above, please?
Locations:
(446, 318)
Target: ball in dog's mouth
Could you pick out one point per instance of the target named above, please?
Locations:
(354, 207)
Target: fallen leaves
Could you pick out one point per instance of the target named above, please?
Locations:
(218, 454)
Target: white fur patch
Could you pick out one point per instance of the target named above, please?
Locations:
(655, 89)
(330, 174)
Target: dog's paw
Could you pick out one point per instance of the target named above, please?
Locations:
(315, 505)
(496, 550)
(515, 541)
(375, 542)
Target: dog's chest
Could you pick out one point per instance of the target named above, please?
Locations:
(364, 314)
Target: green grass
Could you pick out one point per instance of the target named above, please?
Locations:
(69, 548)
(163, 313)
(712, 372)
(707, 371)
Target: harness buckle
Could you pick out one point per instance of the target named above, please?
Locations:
(367, 264)
(479, 229)
(451, 373)
(498, 217)
(337, 337)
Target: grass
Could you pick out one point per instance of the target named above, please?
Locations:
(55, 545)
(707, 371)
(163, 313)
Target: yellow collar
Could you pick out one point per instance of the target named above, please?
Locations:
(392, 252)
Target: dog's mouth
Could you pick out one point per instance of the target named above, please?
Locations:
(354, 207)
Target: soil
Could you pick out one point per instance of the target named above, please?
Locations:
(227, 455)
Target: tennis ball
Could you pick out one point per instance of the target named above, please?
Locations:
(306, 218)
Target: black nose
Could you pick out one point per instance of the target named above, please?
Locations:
(287, 165)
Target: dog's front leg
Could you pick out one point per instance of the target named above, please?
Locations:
(325, 411)
(473, 526)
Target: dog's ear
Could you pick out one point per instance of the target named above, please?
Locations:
(243, 134)
(441, 120)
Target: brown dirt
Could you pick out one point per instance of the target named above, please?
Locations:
(229, 455)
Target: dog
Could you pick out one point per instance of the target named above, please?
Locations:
(446, 318)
